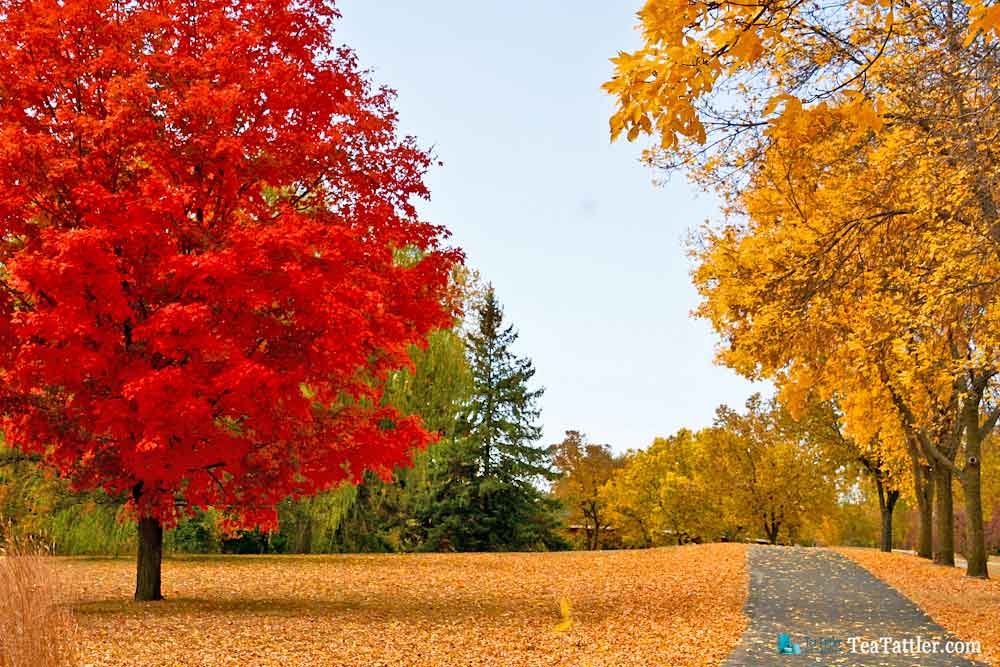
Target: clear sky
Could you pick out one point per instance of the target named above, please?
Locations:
(586, 254)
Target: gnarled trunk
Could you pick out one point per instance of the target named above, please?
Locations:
(147, 574)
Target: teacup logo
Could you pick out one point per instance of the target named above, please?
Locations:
(785, 645)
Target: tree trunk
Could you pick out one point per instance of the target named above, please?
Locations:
(771, 529)
(886, 505)
(147, 576)
(883, 506)
(923, 482)
(306, 544)
(592, 516)
(944, 518)
(975, 536)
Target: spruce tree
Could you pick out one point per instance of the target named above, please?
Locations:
(503, 414)
(491, 500)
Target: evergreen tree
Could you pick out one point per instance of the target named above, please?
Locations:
(489, 498)
(503, 415)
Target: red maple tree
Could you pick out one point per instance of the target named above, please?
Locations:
(210, 257)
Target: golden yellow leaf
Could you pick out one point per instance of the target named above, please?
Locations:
(566, 613)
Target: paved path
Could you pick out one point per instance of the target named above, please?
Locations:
(821, 600)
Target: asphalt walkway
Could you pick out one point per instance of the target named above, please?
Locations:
(833, 612)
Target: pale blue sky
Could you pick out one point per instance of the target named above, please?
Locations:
(586, 254)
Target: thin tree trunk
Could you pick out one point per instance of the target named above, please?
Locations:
(647, 535)
(147, 575)
(944, 518)
(771, 529)
(886, 504)
(883, 507)
(306, 546)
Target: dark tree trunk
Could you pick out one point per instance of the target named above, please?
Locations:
(771, 528)
(147, 576)
(886, 504)
(944, 519)
(975, 535)
(647, 536)
(592, 517)
(923, 482)
(307, 538)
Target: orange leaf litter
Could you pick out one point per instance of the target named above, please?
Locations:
(679, 606)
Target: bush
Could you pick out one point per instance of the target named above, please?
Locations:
(198, 534)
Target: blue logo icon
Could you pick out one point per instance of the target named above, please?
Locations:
(786, 647)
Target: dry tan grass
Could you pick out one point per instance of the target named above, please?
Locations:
(34, 630)
(968, 608)
(673, 607)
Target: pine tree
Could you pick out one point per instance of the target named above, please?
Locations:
(503, 414)
(491, 499)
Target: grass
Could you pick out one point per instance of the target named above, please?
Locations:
(35, 631)
(968, 608)
(675, 606)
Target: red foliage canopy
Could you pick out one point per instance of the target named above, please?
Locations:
(210, 256)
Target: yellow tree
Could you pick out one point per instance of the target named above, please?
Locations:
(866, 235)
(771, 478)
(813, 288)
(584, 469)
(662, 494)
(633, 499)
(821, 423)
(834, 314)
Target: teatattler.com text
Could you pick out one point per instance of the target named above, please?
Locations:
(911, 646)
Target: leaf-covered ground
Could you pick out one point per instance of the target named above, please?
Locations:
(969, 608)
(672, 607)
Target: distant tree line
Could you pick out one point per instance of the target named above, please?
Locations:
(758, 475)
(487, 485)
